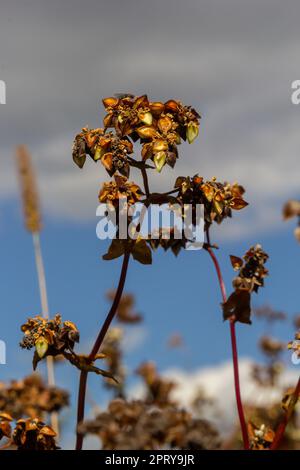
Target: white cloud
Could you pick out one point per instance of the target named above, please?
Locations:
(217, 383)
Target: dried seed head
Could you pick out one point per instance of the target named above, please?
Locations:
(297, 233)
(192, 132)
(31, 206)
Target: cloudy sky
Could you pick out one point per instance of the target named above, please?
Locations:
(234, 61)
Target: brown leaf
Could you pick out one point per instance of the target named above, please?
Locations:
(236, 262)
(157, 107)
(115, 250)
(160, 145)
(164, 124)
(237, 203)
(141, 252)
(238, 307)
(110, 102)
(141, 101)
(146, 132)
(171, 105)
(47, 431)
(107, 161)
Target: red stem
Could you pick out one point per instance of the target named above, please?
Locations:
(235, 359)
(281, 427)
(145, 181)
(96, 347)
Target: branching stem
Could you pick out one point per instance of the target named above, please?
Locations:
(234, 351)
(96, 347)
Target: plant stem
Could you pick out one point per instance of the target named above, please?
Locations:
(97, 345)
(145, 181)
(45, 312)
(234, 352)
(281, 428)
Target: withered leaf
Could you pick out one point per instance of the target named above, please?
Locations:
(115, 250)
(171, 105)
(236, 262)
(164, 124)
(238, 203)
(238, 306)
(291, 209)
(141, 252)
(110, 102)
(146, 132)
(159, 160)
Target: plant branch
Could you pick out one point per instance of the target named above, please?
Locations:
(97, 345)
(145, 181)
(234, 350)
(282, 426)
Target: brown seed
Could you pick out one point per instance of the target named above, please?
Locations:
(111, 102)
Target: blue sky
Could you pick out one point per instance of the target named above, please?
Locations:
(174, 294)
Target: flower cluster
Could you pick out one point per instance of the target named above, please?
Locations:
(52, 337)
(250, 278)
(219, 199)
(49, 337)
(33, 434)
(5, 426)
(269, 314)
(113, 191)
(31, 397)
(290, 210)
(159, 127)
(28, 434)
(158, 389)
(251, 269)
(272, 347)
(113, 358)
(125, 312)
(110, 149)
(261, 437)
(138, 425)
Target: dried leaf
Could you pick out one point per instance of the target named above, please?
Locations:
(110, 102)
(238, 307)
(192, 132)
(141, 252)
(107, 161)
(157, 107)
(236, 262)
(146, 132)
(115, 250)
(146, 118)
(171, 105)
(159, 160)
(164, 124)
(160, 145)
(237, 203)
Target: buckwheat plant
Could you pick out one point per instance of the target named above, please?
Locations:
(159, 128)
